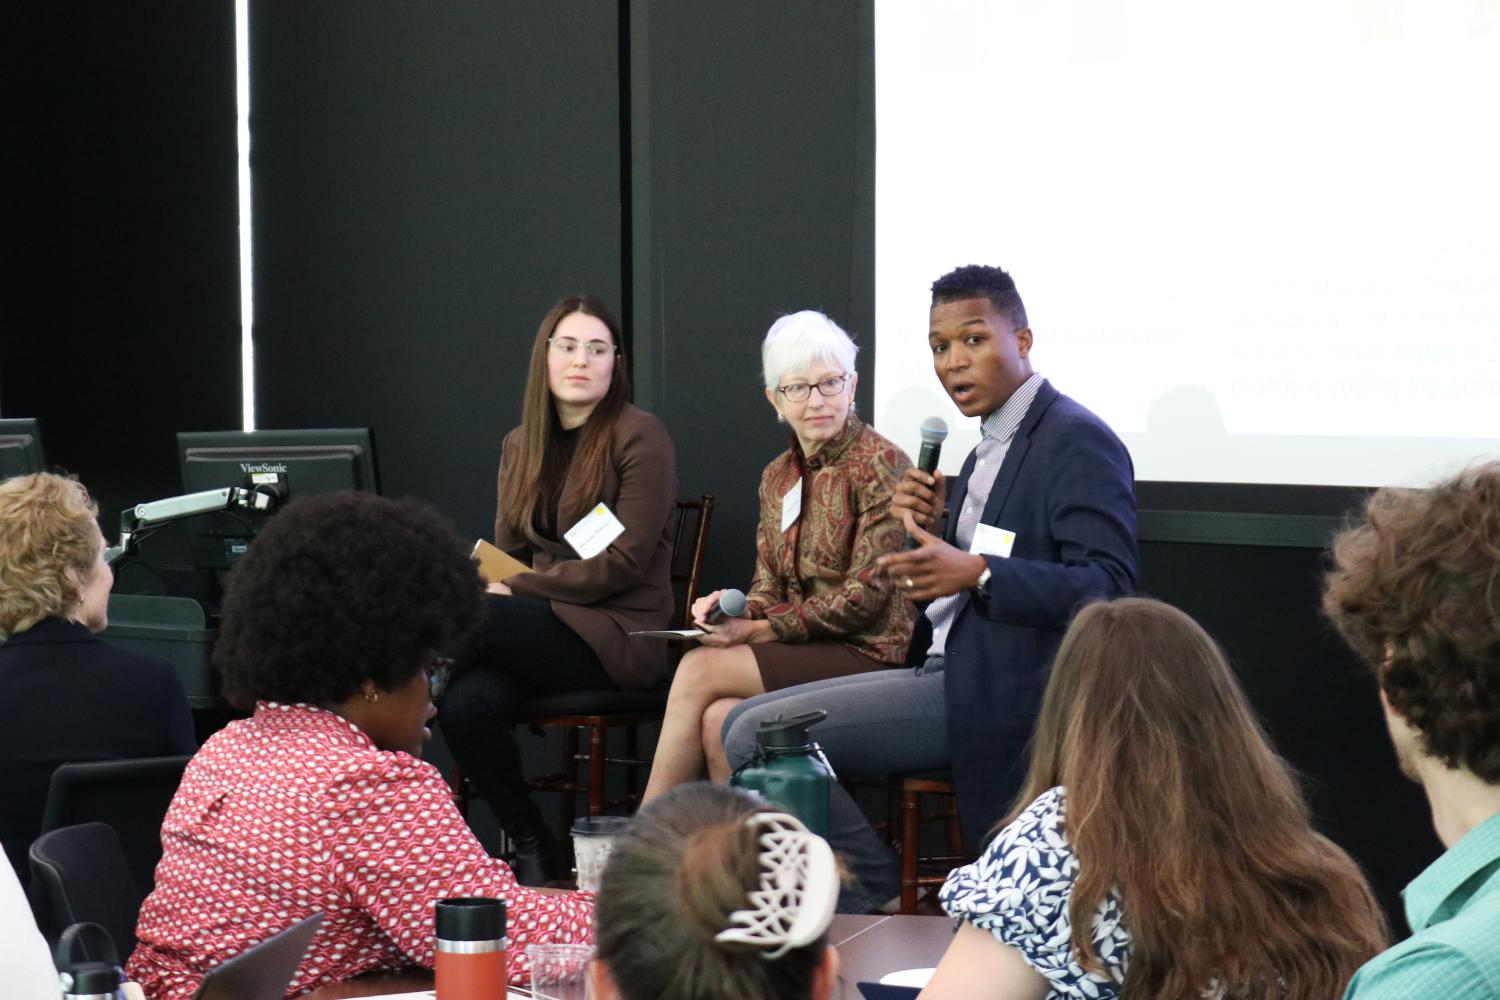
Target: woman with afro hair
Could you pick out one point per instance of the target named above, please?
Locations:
(319, 801)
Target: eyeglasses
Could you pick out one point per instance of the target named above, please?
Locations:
(567, 347)
(830, 386)
(438, 672)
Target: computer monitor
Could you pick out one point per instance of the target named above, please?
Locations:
(305, 462)
(20, 447)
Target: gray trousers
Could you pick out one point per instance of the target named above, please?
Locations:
(879, 723)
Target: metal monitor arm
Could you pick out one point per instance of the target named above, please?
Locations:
(136, 523)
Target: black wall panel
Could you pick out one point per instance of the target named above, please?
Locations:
(753, 152)
(429, 178)
(119, 290)
(1317, 701)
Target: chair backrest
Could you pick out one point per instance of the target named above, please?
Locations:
(79, 874)
(262, 971)
(688, 571)
(130, 795)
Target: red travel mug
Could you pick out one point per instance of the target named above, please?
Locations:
(471, 949)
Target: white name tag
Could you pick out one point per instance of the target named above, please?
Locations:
(791, 506)
(592, 535)
(992, 541)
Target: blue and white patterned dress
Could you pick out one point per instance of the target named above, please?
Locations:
(1019, 891)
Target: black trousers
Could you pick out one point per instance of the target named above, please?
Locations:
(521, 651)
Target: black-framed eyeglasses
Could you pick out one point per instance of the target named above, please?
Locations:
(439, 671)
(567, 347)
(830, 386)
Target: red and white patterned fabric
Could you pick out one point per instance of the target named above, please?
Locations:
(294, 812)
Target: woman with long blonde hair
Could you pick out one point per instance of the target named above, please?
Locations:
(1159, 848)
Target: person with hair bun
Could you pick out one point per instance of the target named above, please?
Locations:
(819, 606)
(1159, 847)
(684, 912)
(65, 694)
(319, 802)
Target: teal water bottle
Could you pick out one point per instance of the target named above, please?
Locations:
(789, 769)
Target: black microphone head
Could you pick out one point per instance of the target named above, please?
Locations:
(934, 430)
(732, 602)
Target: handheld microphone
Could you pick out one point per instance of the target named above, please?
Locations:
(731, 604)
(934, 430)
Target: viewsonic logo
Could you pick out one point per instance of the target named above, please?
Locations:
(250, 468)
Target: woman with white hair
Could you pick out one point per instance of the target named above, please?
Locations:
(818, 607)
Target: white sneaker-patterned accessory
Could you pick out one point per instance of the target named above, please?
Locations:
(799, 888)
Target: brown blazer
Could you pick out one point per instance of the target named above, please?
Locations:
(628, 586)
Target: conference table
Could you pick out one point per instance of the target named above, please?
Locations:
(869, 946)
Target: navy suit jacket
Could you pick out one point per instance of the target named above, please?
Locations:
(1067, 490)
(66, 695)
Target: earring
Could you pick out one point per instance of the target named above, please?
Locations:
(780, 417)
(372, 696)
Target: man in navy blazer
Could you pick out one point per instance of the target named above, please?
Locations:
(1042, 520)
(1063, 499)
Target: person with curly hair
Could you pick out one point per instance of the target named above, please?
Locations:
(712, 895)
(1159, 848)
(1415, 590)
(564, 626)
(319, 802)
(54, 599)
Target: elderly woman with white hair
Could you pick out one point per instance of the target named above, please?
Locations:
(819, 607)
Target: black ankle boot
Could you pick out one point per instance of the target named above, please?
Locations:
(535, 861)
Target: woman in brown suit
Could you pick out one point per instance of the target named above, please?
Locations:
(563, 626)
(819, 607)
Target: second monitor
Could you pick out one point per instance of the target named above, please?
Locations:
(304, 463)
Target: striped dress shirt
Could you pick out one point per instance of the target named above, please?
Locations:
(999, 429)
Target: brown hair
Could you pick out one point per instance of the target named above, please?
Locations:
(530, 478)
(1176, 801)
(673, 880)
(1415, 590)
(47, 526)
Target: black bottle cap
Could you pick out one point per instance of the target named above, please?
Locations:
(790, 732)
(470, 918)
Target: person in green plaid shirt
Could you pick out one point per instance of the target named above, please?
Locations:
(1415, 590)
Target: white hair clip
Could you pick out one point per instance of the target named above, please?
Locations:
(799, 888)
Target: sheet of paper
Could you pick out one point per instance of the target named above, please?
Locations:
(592, 535)
(670, 633)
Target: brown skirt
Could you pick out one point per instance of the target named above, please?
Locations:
(787, 664)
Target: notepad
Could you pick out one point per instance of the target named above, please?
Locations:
(494, 565)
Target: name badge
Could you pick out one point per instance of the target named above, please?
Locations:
(791, 506)
(592, 535)
(992, 541)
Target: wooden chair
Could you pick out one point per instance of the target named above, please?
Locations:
(904, 803)
(596, 712)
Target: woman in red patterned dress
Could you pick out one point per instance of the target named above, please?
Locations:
(319, 802)
(819, 607)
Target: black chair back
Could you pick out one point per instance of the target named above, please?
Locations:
(79, 875)
(130, 795)
(263, 971)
